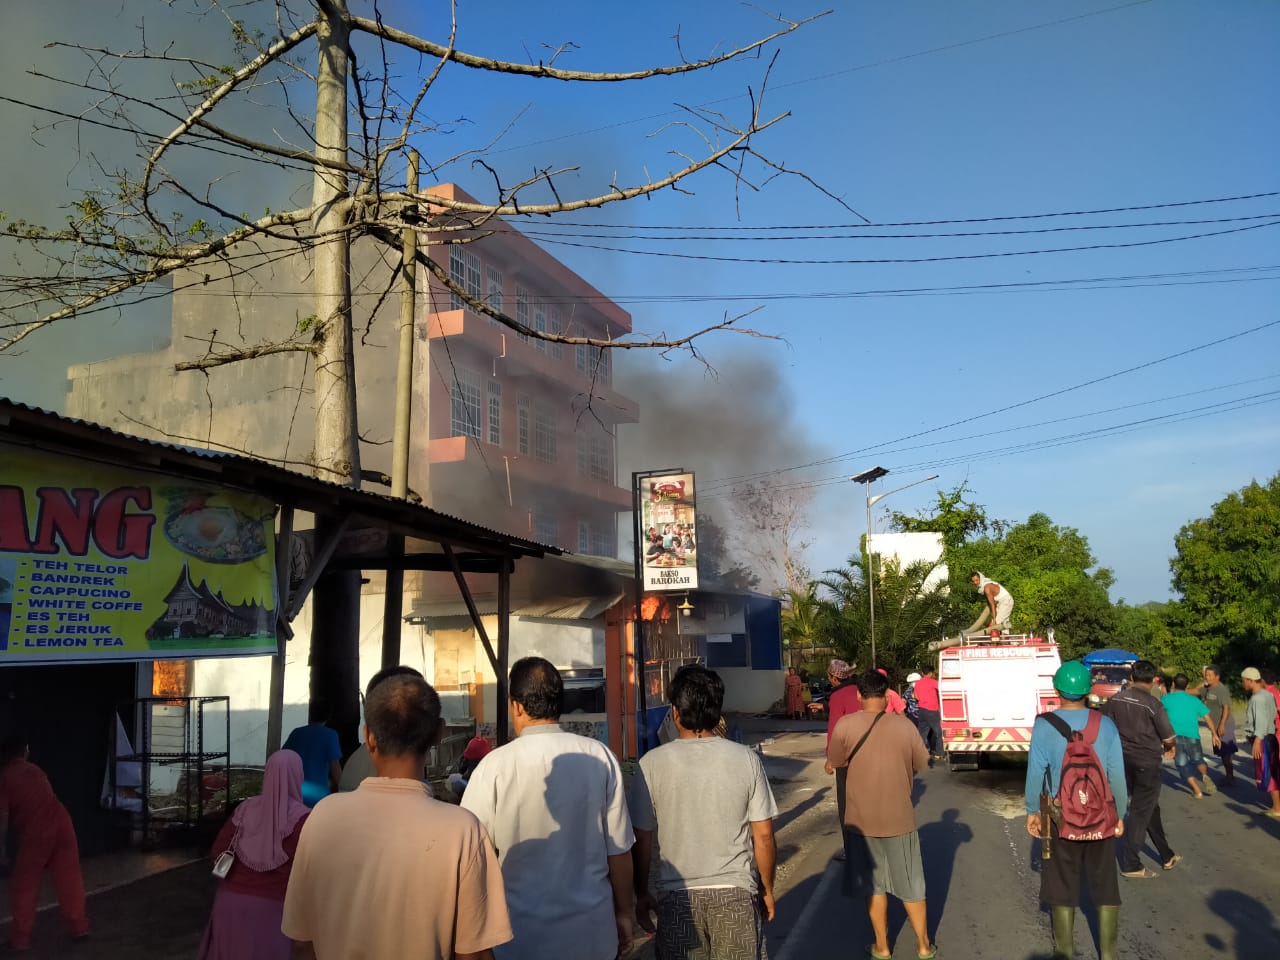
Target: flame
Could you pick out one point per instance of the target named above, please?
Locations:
(648, 607)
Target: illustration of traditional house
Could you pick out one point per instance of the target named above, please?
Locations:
(196, 611)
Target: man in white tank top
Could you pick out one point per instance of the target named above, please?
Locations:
(999, 603)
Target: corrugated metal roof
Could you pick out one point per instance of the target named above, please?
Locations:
(567, 608)
(267, 479)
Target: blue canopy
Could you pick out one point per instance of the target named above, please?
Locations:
(1111, 655)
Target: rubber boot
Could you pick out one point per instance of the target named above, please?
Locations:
(1064, 924)
(1108, 933)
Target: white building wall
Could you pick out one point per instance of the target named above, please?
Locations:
(909, 548)
(247, 680)
(751, 691)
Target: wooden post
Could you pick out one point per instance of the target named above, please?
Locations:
(504, 649)
(275, 702)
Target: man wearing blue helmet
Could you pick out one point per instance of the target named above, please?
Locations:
(1072, 860)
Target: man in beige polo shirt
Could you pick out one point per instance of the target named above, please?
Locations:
(387, 871)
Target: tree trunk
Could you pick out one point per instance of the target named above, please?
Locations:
(336, 450)
(335, 631)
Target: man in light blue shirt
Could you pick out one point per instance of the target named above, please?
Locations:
(1072, 860)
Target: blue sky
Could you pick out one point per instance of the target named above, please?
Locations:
(928, 111)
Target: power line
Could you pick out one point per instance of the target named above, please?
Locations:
(838, 261)
(1169, 205)
(773, 237)
(1005, 409)
(1048, 443)
(843, 477)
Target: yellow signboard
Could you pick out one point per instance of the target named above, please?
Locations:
(100, 563)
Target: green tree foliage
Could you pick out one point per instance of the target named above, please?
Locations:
(956, 518)
(800, 633)
(1226, 570)
(908, 614)
(1047, 569)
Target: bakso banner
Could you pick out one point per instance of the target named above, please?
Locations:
(669, 536)
(100, 563)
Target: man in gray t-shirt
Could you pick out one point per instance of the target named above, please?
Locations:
(708, 803)
(1222, 726)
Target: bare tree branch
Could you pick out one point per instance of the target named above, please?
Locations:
(547, 71)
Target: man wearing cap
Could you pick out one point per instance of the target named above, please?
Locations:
(1260, 733)
(1148, 740)
(843, 700)
(1074, 860)
(929, 705)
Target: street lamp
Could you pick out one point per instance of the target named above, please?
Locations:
(868, 477)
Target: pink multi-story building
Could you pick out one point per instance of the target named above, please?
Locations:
(511, 432)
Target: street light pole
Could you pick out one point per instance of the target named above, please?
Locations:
(868, 477)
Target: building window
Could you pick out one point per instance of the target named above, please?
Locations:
(544, 435)
(602, 366)
(465, 406)
(540, 324)
(602, 544)
(728, 650)
(464, 271)
(582, 354)
(595, 457)
(522, 310)
(522, 424)
(557, 327)
(495, 412)
(584, 536)
(493, 291)
(546, 525)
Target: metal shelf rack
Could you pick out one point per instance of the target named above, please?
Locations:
(171, 734)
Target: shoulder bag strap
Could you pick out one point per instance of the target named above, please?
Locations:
(858, 746)
(1060, 725)
(1092, 727)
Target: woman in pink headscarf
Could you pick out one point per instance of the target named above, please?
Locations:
(263, 836)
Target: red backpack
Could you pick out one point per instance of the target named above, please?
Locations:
(1084, 808)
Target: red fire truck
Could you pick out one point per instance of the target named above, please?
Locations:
(991, 690)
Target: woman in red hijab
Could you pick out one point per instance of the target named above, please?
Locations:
(263, 836)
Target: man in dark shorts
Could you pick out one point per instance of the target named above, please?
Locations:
(1222, 726)
(883, 752)
(1094, 860)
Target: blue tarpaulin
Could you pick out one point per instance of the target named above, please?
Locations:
(1110, 655)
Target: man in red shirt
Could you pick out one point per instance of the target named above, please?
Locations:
(930, 719)
(46, 838)
(843, 700)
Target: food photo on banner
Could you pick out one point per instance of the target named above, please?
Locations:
(669, 532)
(99, 563)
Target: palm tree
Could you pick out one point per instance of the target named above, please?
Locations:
(800, 620)
(909, 611)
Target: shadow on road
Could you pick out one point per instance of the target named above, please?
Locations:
(1255, 818)
(800, 808)
(1256, 934)
(939, 843)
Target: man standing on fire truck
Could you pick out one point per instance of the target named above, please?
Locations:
(999, 603)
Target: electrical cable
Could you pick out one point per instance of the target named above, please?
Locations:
(1004, 409)
(841, 261)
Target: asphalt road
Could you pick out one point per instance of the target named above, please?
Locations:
(1221, 903)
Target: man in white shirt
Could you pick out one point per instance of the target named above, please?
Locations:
(555, 808)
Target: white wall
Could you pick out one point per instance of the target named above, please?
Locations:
(247, 680)
(909, 548)
(751, 691)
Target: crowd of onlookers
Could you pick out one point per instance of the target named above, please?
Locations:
(549, 855)
(552, 852)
